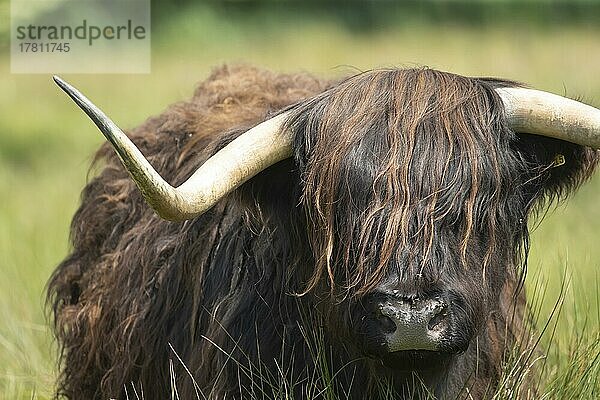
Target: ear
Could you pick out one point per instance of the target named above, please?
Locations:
(555, 168)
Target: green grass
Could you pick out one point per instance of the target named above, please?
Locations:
(46, 145)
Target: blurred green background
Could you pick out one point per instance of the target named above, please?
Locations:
(46, 145)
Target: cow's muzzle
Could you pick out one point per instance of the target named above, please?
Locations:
(412, 324)
(396, 326)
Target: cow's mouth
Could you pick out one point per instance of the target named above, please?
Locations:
(412, 360)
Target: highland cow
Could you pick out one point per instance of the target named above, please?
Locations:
(367, 240)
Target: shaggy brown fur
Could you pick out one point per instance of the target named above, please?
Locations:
(408, 176)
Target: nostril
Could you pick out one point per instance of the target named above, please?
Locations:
(386, 324)
(439, 320)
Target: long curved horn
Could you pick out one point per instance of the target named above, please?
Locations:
(546, 114)
(527, 110)
(247, 155)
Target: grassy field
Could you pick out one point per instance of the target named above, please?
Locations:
(46, 146)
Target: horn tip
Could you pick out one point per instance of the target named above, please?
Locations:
(59, 81)
(67, 88)
(73, 93)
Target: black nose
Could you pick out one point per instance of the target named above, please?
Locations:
(409, 323)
